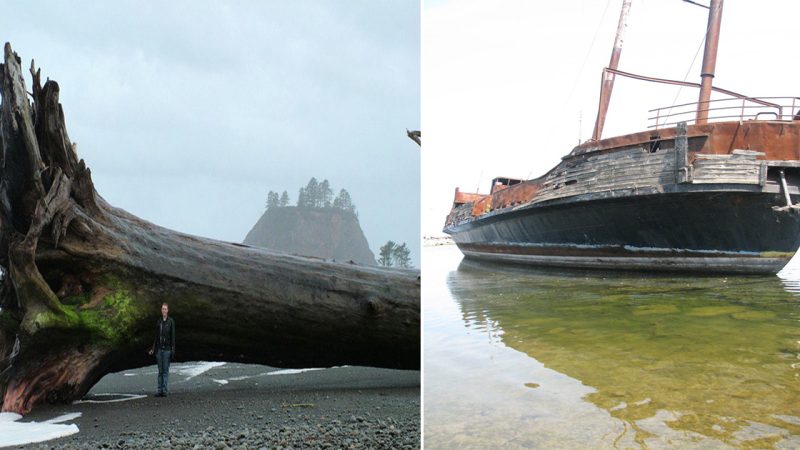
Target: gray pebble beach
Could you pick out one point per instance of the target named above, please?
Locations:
(241, 406)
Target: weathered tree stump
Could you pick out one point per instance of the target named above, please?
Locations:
(84, 281)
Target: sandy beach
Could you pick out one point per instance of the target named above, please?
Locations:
(227, 405)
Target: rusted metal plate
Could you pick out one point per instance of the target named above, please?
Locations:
(728, 152)
(466, 197)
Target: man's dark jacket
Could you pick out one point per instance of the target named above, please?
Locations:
(165, 335)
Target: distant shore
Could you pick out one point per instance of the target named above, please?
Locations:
(224, 406)
(435, 241)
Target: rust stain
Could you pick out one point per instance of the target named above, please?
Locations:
(777, 140)
(466, 197)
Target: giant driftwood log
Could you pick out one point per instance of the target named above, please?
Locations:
(83, 281)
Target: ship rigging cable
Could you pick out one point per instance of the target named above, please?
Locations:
(686, 77)
(588, 52)
(694, 60)
(580, 71)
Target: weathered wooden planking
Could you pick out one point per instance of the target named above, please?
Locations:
(633, 169)
(626, 169)
(739, 167)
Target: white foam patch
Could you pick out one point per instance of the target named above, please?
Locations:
(13, 432)
(247, 377)
(275, 372)
(123, 398)
(291, 371)
(64, 418)
(193, 370)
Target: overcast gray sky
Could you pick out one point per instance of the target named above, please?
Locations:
(188, 113)
(512, 86)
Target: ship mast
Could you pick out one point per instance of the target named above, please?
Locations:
(709, 60)
(608, 77)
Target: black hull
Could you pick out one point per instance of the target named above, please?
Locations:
(736, 232)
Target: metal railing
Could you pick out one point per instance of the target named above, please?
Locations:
(726, 109)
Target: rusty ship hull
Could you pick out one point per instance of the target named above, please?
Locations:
(715, 232)
(703, 198)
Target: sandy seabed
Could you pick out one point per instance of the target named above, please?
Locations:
(240, 406)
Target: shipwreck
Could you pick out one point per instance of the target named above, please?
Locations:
(710, 186)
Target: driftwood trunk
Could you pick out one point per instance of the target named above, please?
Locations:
(84, 281)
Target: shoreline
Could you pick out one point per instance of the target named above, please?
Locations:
(436, 241)
(231, 405)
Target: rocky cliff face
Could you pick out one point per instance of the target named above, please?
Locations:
(328, 233)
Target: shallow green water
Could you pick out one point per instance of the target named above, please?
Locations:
(608, 360)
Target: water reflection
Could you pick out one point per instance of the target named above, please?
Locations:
(679, 361)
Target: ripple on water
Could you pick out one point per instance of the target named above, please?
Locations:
(666, 361)
(708, 311)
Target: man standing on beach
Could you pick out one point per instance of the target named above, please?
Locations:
(164, 348)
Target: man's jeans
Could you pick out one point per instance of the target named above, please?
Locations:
(162, 358)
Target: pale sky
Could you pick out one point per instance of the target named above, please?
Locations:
(509, 87)
(189, 112)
